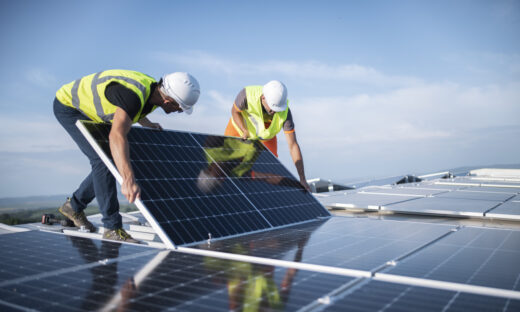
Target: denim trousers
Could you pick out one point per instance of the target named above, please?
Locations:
(100, 183)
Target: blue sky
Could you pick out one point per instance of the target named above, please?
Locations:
(377, 88)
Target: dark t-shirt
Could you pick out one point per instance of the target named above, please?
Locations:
(241, 104)
(126, 99)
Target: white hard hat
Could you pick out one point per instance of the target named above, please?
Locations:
(183, 88)
(275, 94)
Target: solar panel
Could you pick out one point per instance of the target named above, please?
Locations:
(507, 210)
(30, 253)
(343, 242)
(402, 190)
(80, 274)
(478, 195)
(195, 187)
(368, 201)
(476, 256)
(482, 183)
(379, 296)
(444, 206)
(90, 275)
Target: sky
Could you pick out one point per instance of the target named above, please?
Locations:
(376, 88)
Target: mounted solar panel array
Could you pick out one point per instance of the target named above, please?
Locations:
(81, 274)
(347, 243)
(401, 265)
(196, 187)
(456, 197)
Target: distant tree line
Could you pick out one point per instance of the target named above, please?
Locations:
(31, 216)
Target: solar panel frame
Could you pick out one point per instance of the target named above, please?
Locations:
(162, 279)
(366, 201)
(443, 206)
(339, 242)
(509, 210)
(102, 152)
(478, 195)
(485, 257)
(200, 217)
(373, 295)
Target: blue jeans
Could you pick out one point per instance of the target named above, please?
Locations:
(100, 183)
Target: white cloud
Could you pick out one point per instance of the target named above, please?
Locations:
(426, 112)
(306, 69)
(33, 134)
(40, 78)
(220, 101)
(408, 124)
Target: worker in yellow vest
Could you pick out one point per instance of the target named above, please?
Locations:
(119, 97)
(260, 112)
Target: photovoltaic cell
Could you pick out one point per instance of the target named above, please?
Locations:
(343, 242)
(152, 281)
(195, 187)
(262, 178)
(381, 296)
(476, 256)
(478, 195)
(444, 206)
(30, 253)
(368, 201)
(507, 210)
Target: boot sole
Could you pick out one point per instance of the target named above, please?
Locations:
(71, 218)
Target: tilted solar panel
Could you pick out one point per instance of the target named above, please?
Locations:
(195, 186)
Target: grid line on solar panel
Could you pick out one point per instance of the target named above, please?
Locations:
(169, 168)
(379, 296)
(29, 253)
(483, 257)
(178, 281)
(352, 243)
(241, 193)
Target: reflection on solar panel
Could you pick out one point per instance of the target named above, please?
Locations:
(353, 243)
(94, 275)
(195, 187)
(286, 258)
(31, 253)
(86, 275)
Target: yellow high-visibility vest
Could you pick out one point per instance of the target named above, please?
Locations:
(232, 149)
(87, 94)
(254, 117)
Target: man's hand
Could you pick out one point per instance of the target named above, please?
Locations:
(131, 190)
(120, 149)
(155, 125)
(145, 122)
(245, 135)
(306, 186)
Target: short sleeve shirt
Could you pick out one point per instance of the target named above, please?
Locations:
(241, 104)
(126, 99)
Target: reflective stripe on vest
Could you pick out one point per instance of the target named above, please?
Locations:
(254, 116)
(233, 150)
(103, 113)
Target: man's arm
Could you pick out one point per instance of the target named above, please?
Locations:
(296, 154)
(239, 120)
(145, 122)
(121, 154)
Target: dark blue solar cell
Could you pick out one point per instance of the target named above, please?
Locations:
(211, 184)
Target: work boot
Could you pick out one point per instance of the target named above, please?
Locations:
(78, 218)
(119, 235)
